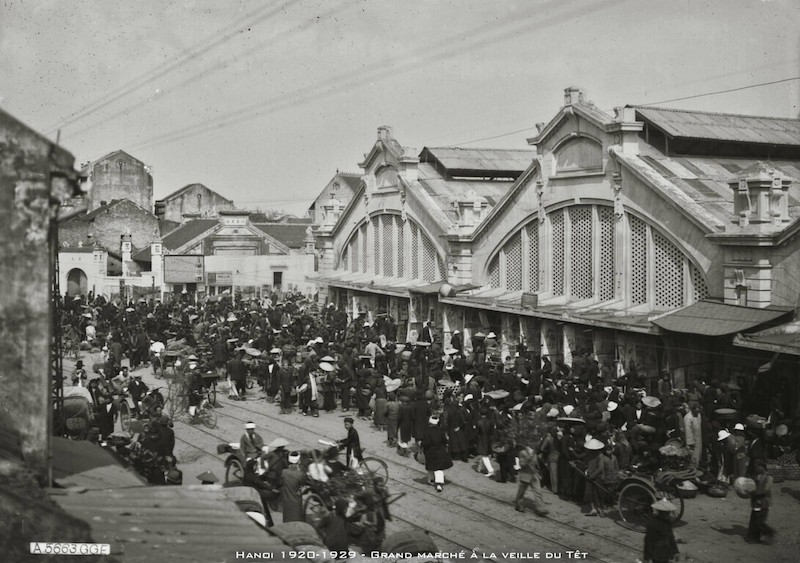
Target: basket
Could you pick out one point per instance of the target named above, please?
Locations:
(791, 472)
(686, 494)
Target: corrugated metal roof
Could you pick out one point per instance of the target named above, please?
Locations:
(184, 524)
(706, 180)
(723, 126)
(513, 161)
(710, 318)
(79, 463)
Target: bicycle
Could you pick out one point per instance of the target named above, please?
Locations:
(205, 414)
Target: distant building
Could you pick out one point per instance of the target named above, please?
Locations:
(105, 224)
(342, 187)
(209, 256)
(117, 176)
(193, 201)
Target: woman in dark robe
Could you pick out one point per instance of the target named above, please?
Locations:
(437, 459)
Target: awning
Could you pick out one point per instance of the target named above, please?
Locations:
(710, 318)
(784, 339)
(505, 302)
(372, 283)
(434, 287)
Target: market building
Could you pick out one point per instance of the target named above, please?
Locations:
(193, 201)
(647, 239)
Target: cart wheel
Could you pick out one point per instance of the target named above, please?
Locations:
(674, 499)
(234, 472)
(208, 416)
(125, 416)
(634, 506)
(372, 467)
(315, 509)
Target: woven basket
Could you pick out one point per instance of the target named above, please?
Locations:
(791, 472)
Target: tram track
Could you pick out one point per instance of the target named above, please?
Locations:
(483, 516)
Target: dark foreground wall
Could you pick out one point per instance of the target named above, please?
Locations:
(28, 162)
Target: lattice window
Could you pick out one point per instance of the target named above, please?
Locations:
(606, 215)
(669, 273)
(581, 251)
(533, 256)
(638, 271)
(557, 224)
(429, 258)
(513, 252)
(401, 249)
(494, 272)
(387, 236)
(699, 283)
(376, 245)
(414, 251)
(363, 238)
(442, 270)
(355, 248)
(345, 258)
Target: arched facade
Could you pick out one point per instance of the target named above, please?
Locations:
(388, 246)
(586, 252)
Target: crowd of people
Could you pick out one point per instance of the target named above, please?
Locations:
(520, 418)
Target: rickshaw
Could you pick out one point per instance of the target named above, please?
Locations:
(634, 493)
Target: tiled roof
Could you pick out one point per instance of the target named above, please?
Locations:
(182, 524)
(723, 126)
(351, 179)
(477, 160)
(292, 235)
(79, 463)
(178, 237)
(710, 318)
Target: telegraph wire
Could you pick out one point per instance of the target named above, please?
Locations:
(359, 77)
(194, 78)
(198, 49)
(722, 91)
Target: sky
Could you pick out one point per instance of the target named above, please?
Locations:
(263, 101)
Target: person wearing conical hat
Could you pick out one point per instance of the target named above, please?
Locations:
(659, 540)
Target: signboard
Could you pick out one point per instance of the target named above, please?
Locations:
(184, 269)
(220, 278)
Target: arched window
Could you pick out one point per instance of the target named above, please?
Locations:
(580, 154)
(386, 177)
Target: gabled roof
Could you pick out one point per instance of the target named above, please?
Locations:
(352, 179)
(722, 126)
(180, 236)
(87, 217)
(109, 156)
(292, 235)
(187, 187)
(457, 161)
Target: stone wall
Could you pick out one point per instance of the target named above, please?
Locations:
(120, 176)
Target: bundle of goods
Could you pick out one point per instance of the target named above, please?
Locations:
(744, 487)
(444, 385)
(675, 457)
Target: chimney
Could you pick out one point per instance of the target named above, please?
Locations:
(385, 133)
(125, 247)
(761, 195)
(310, 242)
(572, 95)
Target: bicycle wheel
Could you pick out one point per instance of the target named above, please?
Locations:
(675, 499)
(315, 510)
(374, 468)
(208, 416)
(234, 472)
(125, 416)
(634, 506)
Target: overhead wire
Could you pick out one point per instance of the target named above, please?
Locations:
(221, 65)
(195, 51)
(717, 92)
(449, 46)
